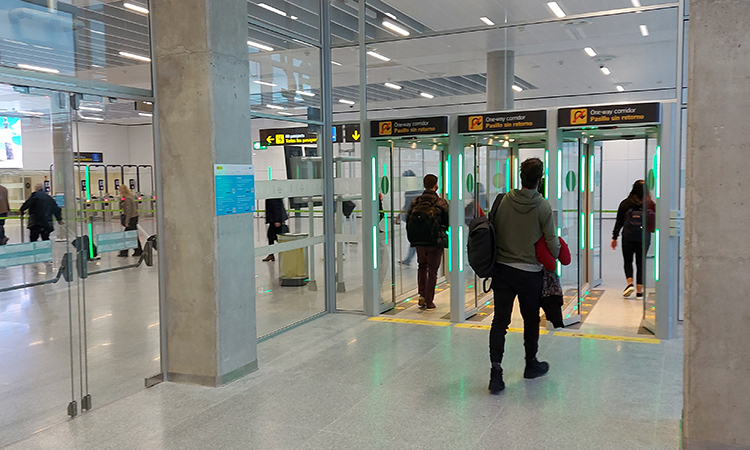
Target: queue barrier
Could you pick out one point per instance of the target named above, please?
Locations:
(112, 242)
(28, 253)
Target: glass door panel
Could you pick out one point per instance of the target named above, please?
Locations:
(384, 171)
(595, 187)
(651, 236)
(570, 226)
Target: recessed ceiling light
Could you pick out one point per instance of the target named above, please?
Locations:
(605, 70)
(517, 88)
(556, 10)
(590, 51)
(264, 83)
(90, 108)
(346, 102)
(426, 95)
(379, 56)
(391, 16)
(143, 114)
(620, 88)
(31, 113)
(644, 30)
(260, 46)
(304, 93)
(272, 9)
(134, 56)
(136, 8)
(393, 86)
(285, 113)
(37, 68)
(96, 119)
(636, 3)
(395, 28)
(487, 21)
(336, 64)
(274, 107)
(293, 17)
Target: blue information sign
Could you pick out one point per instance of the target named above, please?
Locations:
(235, 189)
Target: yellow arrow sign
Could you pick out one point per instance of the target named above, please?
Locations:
(270, 139)
(356, 135)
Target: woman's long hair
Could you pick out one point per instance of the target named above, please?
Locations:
(638, 191)
(125, 191)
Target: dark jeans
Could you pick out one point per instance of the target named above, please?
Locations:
(36, 232)
(2, 226)
(273, 233)
(429, 259)
(507, 283)
(131, 226)
(630, 249)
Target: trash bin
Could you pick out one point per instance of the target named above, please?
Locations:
(293, 263)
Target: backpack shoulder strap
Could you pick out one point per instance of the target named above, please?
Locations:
(496, 206)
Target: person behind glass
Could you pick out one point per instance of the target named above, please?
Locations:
(409, 196)
(426, 225)
(4, 210)
(129, 217)
(522, 219)
(42, 208)
(630, 222)
(276, 215)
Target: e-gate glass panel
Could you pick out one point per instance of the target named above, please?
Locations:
(385, 264)
(651, 234)
(595, 190)
(570, 225)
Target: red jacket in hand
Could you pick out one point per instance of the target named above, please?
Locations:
(546, 259)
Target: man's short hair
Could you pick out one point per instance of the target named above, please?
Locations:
(532, 171)
(430, 181)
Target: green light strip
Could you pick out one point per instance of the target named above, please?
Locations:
(450, 249)
(559, 174)
(374, 175)
(546, 174)
(591, 231)
(583, 231)
(460, 176)
(559, 265)
(657, 167)
(461, 248)
(657, 257)
(507, 174)
(516, 176)
(591, 173)
(269, 173)
(448, 178)
(583, 173)
(91, 242)
(88, 185)
(385, 221)
(374, 246)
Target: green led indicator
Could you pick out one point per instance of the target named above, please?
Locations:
(546, 174)
(374, 247)
(88, 185)
(460, 175)
(583, 173)
(461, 248)
(269, 173)
(448, 178)
(516, 175)
(91, 242)
(583, 231)
(450, 249)
(657, 164)
(591, 173)
(385, 221)
(559, 174)
(657, 255)
(507, 174)
(591, 231)
(374, 177)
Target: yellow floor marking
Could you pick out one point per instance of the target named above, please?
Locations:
(608, 338)
(410, 321)
(488, 327)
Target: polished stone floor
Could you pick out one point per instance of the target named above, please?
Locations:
(343, 382)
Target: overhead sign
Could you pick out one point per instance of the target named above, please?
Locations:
(258, 146)
(609, 115)
(302, 135)
(421, 126)
(502, 121)
(88, 157)
(352, 133)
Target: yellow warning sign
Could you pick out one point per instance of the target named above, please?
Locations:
(579, 116)
(386, 128)
(476, 123)
(279, 139)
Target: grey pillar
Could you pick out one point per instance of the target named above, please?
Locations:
(206, 261)
(500, 78)
(717, 354)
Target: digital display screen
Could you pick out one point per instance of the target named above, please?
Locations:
(11, 148)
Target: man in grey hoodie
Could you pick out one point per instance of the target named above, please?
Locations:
(524, 217)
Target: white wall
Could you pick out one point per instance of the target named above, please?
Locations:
(623, 162)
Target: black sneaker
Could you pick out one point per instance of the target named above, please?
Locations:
(639, 295)
(497, 384)
(628, 291)
(535, 369)
(430, 306)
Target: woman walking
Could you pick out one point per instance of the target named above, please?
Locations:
(129, 217)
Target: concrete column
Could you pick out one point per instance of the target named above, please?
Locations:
(717, 354)
(500, 78)
(203, 117)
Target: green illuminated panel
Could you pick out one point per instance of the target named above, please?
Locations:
(461, 248)
(583, 231)
(450, 249)
(657, 164)
(460, 176)
(559, 174)
(591, 173)
(591, 231)
(546, 174)
(374, 247)
(583, 173)
(374, 181)
(657, 253)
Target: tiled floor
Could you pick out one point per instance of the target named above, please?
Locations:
(342, 382)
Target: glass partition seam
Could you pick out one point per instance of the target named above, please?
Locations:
(508, 25)
(260, 115)
(329, 248)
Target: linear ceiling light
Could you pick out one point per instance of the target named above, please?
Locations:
(426, 95)
(90, 108)
(260, 46)
(143, 114)
(487, 21)
(644, 30)
(272, 9)
(590, 51)
(620, 88)
(31, 113)
(134, 56)
(556, 10)
(636, 3)
(517, 88)
(136, 8)
(391, 15)
(97, 119)
(37, 68)
(346, 102)
(285, 113)
(274, 107)
(264, 83)
(379, 56)
(395, 28)
(336, 63)
(306, 94)
(605, 70)
(393, 86)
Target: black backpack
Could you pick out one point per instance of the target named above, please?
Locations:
(424, 228)
(481, 246)
(634, 224)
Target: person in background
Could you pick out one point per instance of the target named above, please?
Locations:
(129, 217)
(42, 208)
(409, 196)
(523, 217)
(426, 224)
(630, 221)
(4, 210)
(276, 215)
